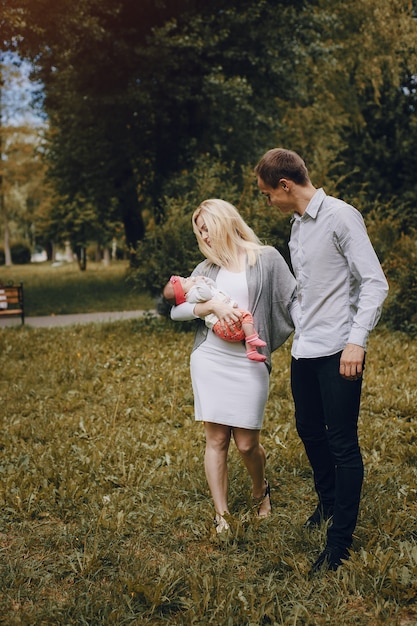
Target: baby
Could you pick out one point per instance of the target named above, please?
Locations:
(200, 289)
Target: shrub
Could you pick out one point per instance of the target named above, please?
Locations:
(170, 247)
(384, 232)
(20, 252)
(400, 311)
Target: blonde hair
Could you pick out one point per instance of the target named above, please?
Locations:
(228, 233)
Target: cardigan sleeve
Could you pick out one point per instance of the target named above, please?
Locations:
(273, 286)
(283, 290)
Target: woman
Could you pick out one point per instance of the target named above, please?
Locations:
(230, 391)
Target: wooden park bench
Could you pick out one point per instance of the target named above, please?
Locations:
(11, 301)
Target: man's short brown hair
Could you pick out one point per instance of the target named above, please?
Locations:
(279, 163)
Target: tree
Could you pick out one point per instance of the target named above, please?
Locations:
(18, 139)
(3, 213)
(355, 51)
(136, 91)
(384, 147)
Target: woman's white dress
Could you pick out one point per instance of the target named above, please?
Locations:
(228, 387)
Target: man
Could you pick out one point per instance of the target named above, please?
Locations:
(340, 292)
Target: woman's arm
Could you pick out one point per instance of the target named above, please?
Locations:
(225, 312)
(183, 312)
(190, 311)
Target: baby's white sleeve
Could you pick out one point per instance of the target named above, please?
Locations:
(205, 291)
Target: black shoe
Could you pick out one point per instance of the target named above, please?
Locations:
(320, 515)
(329, 560)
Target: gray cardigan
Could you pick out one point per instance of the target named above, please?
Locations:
(271, 289)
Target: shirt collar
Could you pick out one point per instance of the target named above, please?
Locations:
(314, 205)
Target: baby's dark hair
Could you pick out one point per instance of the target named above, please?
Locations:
(173, 291)
(168, 293)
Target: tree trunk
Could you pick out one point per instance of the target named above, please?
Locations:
(82, 257)
(106, 256)
(3, 214)
(7, 252)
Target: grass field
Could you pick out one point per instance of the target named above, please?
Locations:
(105, 513)
(65, 289)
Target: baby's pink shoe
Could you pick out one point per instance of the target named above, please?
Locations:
(253, 355)
(255, 340)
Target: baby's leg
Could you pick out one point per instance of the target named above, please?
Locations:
(251, 336)
(234, 333)
(237, 333)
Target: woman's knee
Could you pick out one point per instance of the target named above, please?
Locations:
(247, 450)
(217, 438)
(247, 445)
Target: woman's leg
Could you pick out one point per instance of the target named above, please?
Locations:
(215, 461)
(254, 458)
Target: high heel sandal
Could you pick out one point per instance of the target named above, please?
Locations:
(220, 524)
(257, 502)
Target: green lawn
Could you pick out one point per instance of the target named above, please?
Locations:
(64, 289)
(105, 513)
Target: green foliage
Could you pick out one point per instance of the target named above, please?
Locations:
(170, 247)
(269, 224)
(167, 249)
(384, 230)
(136, 92)
(106, 515)
(400, 311)
(20, 252)
(142, 96)
(379, 156)
(21, 175)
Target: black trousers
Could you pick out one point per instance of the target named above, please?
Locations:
(326, 415)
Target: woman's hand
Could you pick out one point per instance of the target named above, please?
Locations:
(227, 314)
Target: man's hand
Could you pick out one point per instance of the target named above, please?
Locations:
(351, 362)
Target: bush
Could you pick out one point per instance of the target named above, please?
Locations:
(20, 252)
(170, 247)
(400, 311)
(384, 232)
